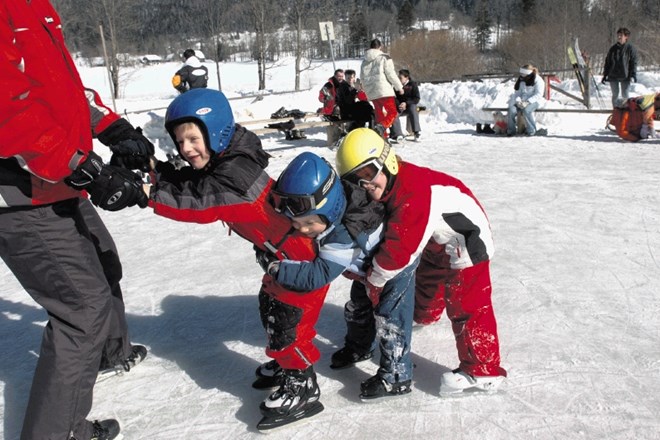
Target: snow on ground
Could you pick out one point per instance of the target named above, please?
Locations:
(576, 276)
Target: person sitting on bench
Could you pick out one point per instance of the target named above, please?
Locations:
(353, 103)
(528, 97)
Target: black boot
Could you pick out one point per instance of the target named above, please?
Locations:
(297, 398)
(376, 387)
(269, 375)
(105, 430)
(346, 357)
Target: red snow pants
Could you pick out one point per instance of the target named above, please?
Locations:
(466, 295)
(385, 111)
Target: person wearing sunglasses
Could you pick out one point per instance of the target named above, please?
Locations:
(227, 181)
(436, 218)
(347, 227)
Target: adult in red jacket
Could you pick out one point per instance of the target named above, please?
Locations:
(227, 182)
(433, 216)
(51, 237)
(328, 94)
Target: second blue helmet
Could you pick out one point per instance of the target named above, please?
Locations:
(308, 186)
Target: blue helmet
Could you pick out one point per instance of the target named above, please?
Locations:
(210, 109)
(308, 186)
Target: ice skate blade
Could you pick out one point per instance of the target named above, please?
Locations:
(272, 424)
(380, 399)
(109, 374)
(451, 393)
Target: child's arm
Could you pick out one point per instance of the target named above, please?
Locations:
(194, 196)
(304, 276)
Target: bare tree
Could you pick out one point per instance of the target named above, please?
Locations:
(264, 17)
(213, 18)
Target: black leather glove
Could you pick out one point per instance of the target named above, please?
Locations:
(131, 148)
(268, 262)
(604, 80)
(111, 188)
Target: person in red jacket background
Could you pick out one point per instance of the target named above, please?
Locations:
(435, 217)
(328, 94)
(51, 237)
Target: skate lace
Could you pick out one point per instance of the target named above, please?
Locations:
(292, 386)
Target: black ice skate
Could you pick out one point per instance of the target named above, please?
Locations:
(376, 387)
(104, 430)
(269, 375)
(347, 357)
(138, 353)
(296, 399)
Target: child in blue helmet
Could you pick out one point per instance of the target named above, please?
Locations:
(347, 227)
(226, 181)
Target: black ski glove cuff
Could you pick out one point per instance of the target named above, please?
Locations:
(268, 262)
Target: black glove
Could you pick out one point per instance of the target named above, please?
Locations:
(111, 188)
(131, 149)
(633, 78)
(268, 262)
(604, 80)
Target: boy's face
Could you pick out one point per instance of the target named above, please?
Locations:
(621, 38)
(309, 225)
(191, 145)
(376, 187)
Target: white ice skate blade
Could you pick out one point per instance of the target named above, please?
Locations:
(470, 392)
(109, 373)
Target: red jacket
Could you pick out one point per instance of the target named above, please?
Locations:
(47, 117)
(234, 189)
(328, 96)
(425, 204)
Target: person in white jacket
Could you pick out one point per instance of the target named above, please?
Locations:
(379, 81)
(528, 97)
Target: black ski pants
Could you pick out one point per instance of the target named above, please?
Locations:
(66, 260)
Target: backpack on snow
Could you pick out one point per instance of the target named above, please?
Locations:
(627, 120)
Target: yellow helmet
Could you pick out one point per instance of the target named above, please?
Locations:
(361, 145)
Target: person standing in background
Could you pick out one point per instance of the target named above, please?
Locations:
(620, 67)
(193, 75)
(379, 81)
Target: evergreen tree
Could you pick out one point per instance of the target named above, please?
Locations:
(483, 23)
(357, 29)
(528, 8)
(406, 17)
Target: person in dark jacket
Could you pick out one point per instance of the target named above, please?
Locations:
(51, 237)
(193, 74)
(353, 103)
(227, 181)
(407, 105)
(620, 67)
